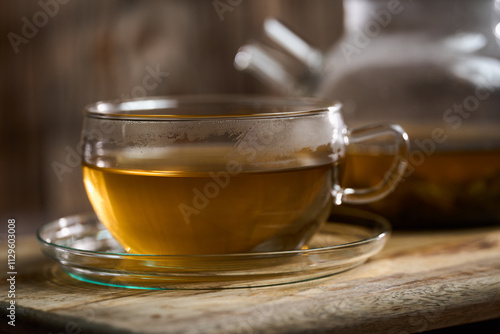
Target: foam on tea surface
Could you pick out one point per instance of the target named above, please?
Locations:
(286, 141)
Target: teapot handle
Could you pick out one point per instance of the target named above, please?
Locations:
(277, 65)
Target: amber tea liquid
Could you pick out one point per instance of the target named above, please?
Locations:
(449, 188)
(192, 212)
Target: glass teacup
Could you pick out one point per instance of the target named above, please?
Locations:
(223, 174)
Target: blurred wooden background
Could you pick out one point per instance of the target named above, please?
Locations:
(84, 51)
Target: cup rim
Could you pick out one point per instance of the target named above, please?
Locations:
(169, 107)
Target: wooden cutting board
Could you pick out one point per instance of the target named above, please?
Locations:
(420, 281)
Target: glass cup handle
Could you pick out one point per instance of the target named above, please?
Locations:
(391, 178)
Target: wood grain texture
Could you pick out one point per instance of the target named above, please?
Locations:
(420, 281)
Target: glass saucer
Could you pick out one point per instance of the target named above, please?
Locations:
(86, 251)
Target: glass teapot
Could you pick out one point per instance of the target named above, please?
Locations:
(431, 66)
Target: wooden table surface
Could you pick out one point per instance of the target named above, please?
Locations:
(420, 281)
